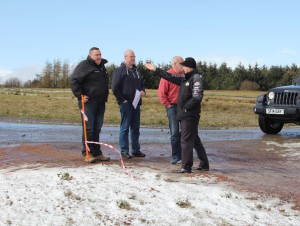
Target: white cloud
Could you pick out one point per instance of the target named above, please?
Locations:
(4, 72)
(22, 73)
(287, 51)
(3, 75)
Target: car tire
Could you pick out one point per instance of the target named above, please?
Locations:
(269, 126)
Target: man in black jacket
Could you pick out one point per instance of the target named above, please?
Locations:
(188, 113)
(90, 81)
(127, 84)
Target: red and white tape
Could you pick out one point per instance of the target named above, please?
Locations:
(113, 148)
(84, 116)
(107, 145)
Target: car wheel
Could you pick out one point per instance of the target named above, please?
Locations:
(269, 126)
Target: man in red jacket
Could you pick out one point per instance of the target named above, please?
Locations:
(168, 96)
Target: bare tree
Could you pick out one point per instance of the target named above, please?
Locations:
(13, 83)
(56, 73)
(47, 76)
(64, 82)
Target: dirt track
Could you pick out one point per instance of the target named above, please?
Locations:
(246, 159)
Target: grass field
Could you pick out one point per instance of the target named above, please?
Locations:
(219, 108)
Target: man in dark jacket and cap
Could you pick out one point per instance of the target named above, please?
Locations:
(90, 82)
(188, 113)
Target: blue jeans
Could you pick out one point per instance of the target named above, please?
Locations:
(174, 130)
(130, 119)
(94, 110)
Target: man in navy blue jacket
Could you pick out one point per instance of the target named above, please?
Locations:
(90, 81)
(127, 84)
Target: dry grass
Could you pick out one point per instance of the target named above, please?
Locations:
(229, 109)
(219, 108)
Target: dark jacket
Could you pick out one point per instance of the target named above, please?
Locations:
(90, 79)
(125, 82)
(190, 94)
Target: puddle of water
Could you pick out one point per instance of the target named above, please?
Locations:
(22, 132)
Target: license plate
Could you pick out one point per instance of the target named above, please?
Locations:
(272, 111)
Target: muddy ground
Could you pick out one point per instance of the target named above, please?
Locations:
(245, 159)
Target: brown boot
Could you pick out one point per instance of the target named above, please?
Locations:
(102, 158)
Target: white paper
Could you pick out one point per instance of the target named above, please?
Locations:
(137, 98)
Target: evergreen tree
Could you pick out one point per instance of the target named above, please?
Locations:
(202, 69)
(223, 77)
(150, 81)
(290, 74)
(275, 75)
(257, 74)
(212, 72)
(240, 74)
(226, 78)
(110, 71)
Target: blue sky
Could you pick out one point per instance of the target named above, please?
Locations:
(215, 31)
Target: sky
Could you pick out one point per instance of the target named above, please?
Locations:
(216, 31)
(105, 195)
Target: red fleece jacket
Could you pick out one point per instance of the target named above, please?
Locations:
(167, 91)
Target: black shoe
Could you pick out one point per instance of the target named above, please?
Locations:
(182, 171)
(138, 154)
(126, 155)
(203, 167)
(176, 161)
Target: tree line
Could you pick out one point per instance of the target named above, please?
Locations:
(57, 75)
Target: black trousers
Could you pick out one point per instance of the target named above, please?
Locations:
(189, 140)
(94, 110)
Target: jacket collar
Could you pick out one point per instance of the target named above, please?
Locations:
(134, 67)
(189, 74)
(124, 65)
(171, 71)
(103, 61)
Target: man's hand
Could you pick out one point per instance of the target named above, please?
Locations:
(142, 93)
(85, 98)
(150, 67)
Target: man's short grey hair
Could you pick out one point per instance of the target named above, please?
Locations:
(128, 50)
(175, 59)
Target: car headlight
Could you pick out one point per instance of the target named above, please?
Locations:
(271, 95)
